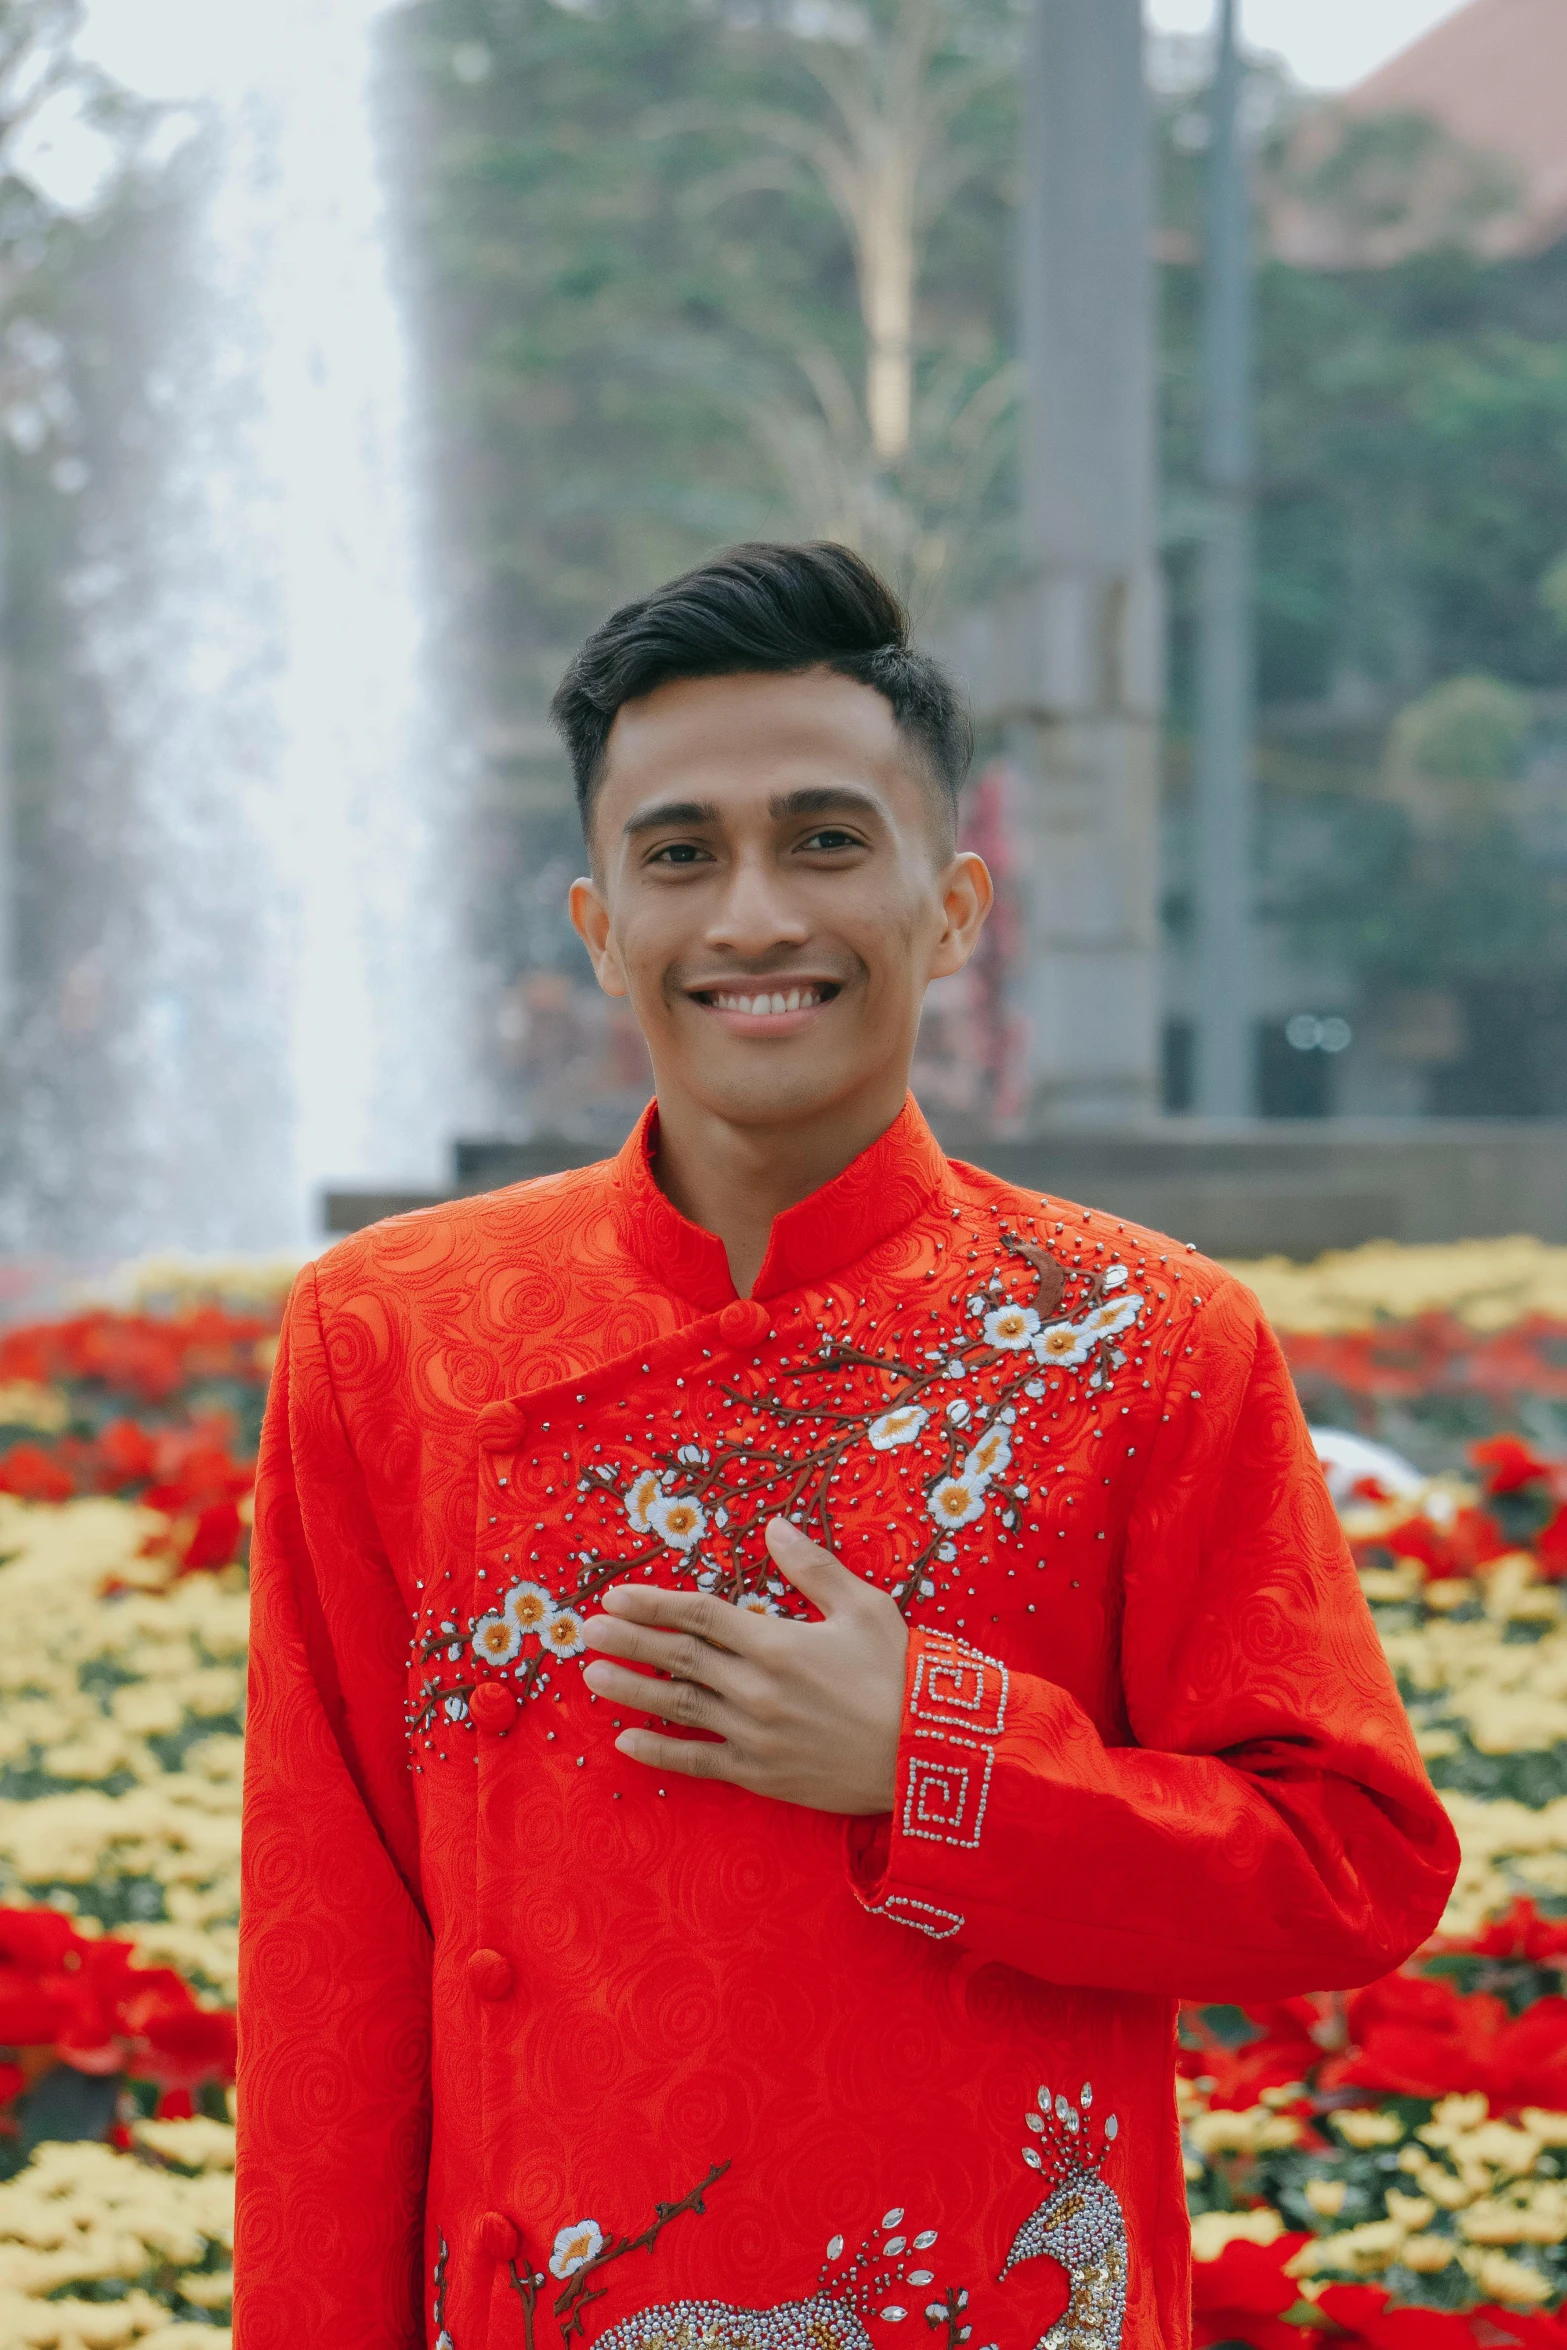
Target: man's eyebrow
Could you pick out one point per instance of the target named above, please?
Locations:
(670, 812)
(824, 799)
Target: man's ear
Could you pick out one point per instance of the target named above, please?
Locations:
(590, 920)
(967, 892)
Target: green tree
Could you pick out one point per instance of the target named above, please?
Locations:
(691, 273)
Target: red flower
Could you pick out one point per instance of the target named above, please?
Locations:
(1288, 2049)
(1242, 2296)
(1469, 1542)
(33, 1474)
(125, 1455)
(215, 1540)
(1520, 1933)
(1368, 2317)
(1509, 1463)
(1419, 2038)
(100, 2012)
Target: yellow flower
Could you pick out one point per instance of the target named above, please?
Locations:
(1212, 2230)
(1364, 2126)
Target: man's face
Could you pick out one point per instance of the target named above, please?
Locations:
(773, 887)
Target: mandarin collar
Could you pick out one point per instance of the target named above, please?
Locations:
(876, 1195)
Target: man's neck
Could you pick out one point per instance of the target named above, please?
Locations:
(733, 1180)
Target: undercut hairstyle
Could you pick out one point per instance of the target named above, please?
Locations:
(770, 609)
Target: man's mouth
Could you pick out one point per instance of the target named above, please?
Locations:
(759, 1003)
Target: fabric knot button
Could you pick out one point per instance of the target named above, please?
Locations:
(490, 1974)
(742, 1321)
(495, 2236)
(493, 1705)
(501, 1426)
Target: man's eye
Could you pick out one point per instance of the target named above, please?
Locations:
(832, 836)
(678, 852)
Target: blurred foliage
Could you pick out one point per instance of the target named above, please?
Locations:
(643, 303)
(1472, 730)
(647, 336)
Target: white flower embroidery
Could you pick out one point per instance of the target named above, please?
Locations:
(678, 1519)
(990, 1456)
(527, 1605)
(564, 1631)
(496, 1639)
(1117, 1313)
(638, 1501)
(1010, 1327)
(457, 1709)
(895, 1428)
(575, 2246)
(958, 1412)
(1063, 1342)
(1115, 1277)
(1035, 1388)
(955, 1501)
(756, 1603)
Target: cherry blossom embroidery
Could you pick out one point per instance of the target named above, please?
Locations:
(581, 2250)
(944, 1405)
(575, 2245)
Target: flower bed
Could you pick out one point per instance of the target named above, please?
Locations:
(127, 1440)
(1385, 2169)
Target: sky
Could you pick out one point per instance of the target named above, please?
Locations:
(1327, 44)
(177, 49)
(157, 44)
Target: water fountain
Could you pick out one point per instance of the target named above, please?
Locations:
(277, 967)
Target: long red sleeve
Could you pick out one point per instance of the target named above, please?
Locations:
(334, 1949)
(1271, 1830)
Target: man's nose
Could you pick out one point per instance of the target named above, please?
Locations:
(755, 912)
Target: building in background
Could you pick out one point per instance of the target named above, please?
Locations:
(1411, 952)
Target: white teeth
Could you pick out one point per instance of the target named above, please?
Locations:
(798, 999)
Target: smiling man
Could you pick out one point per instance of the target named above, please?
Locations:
(779, 1657)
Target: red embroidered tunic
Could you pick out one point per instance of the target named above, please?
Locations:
(536, 2046)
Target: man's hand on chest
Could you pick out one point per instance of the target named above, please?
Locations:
(807, 1712)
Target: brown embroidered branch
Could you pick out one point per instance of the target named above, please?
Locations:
(947, 2315)
(443, 2340)
(527, 2292)
(569, 2306)
(1050, 1272)
(708, 1506)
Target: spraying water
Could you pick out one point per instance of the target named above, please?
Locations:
(279, 955)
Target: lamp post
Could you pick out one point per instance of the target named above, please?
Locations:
(1069, 661)
(1225, 1075)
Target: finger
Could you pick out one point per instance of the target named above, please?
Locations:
(825, 1581)
(687, 1704)
(696, 1612)
(692, 1758)
(679, 1653)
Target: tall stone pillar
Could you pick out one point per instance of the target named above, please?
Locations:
(1070, 661)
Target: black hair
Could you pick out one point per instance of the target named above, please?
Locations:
(768, 608)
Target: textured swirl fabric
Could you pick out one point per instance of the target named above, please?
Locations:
(538, 2046)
